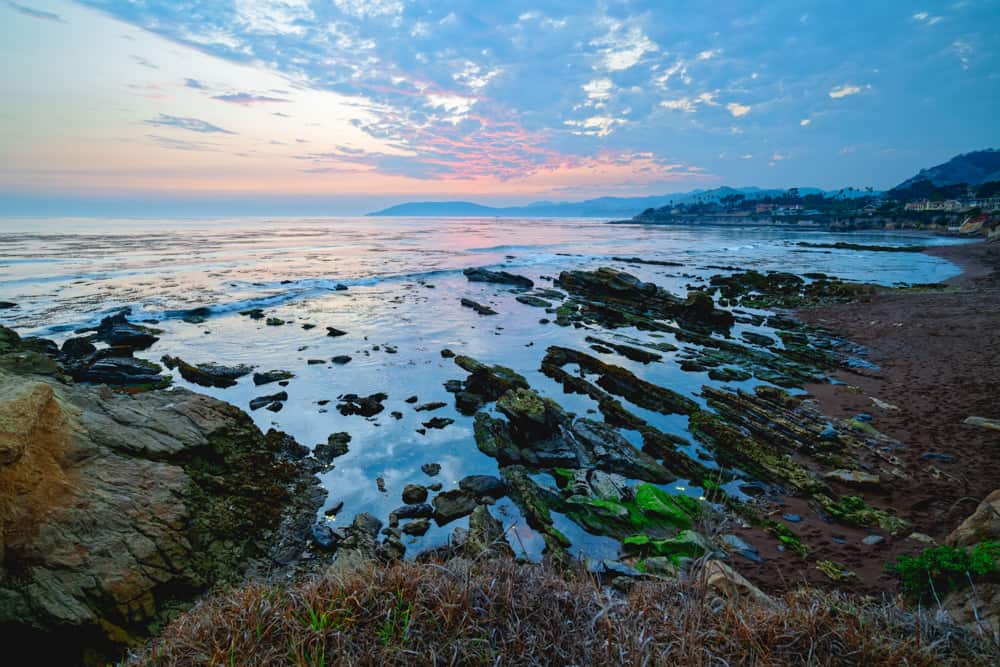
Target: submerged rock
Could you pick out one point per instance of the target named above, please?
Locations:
(117, 331)
(267, 377)
(414, 494)
(207, 374)
(483, 485)
(478, 307)
(502, 277)
(336, 445)
(366, 406)
(268, 401)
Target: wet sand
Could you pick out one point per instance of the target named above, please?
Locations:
(938, 354)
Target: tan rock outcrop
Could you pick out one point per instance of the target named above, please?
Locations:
(981, 525)
(116, 509)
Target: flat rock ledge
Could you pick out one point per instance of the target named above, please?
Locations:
(117, 511)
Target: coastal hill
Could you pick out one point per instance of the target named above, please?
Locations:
(973, 168)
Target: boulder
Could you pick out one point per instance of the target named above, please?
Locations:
(483, 485)
(366, 406)
(336, 445)
(729, 584)
(207, 374)
(450, 505)
(481, 275)
(414, 494)
(981, 525)
(117, 509)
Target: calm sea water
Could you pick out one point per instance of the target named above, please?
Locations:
(404, 279)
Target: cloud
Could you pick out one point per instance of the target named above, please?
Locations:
(805, 121)
(195, 83)
(964, 51)
(746, 156)
(623, 47)
(366, 9)
(737, 109)
(473, 76)
(926, 18)
(248, 99)
(600, 126)
(192, 124)
(278, 17)
(182, 144)
(844, 91)
(690, 104)
(598, 90)
(709, 54)
(35, 13)
(139, 60)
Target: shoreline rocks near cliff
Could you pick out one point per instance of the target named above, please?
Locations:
(118, 510)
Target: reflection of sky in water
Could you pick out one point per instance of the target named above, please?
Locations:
(63, 274)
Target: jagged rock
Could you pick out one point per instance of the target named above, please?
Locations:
(853, 477)
(483, 485)
(486, 533)
(450, 505)
(208, 374)
(366, 406)
(414, 494)
(419, 510)
(531, 416)
(417, 527)
(438, 422)
(76, 348)
(274, 322)
(620, 381)
(267, 377)
(5, 305)
(427, 407)
(622, 298)
(486, 276)
(431, 469)
(267, 401)
(341, 359)
(125, 371)
(779, 289)
(981, 525)
(334, 332)
(488, 382)
(117, 331)
(530, 300)
(731, 585)
(115, 509)
(447, 354)
(757, 338)
(478, 307)
(336, 445)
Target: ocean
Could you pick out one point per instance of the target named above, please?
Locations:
(400, 309)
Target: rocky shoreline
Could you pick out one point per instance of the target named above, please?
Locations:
(118, 510)
(151, 496)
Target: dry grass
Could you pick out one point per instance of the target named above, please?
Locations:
(501, 612)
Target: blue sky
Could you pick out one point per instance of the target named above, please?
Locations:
(349, 105)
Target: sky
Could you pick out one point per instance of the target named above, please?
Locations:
(346, 106)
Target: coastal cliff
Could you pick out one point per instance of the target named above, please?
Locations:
(118, 510)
